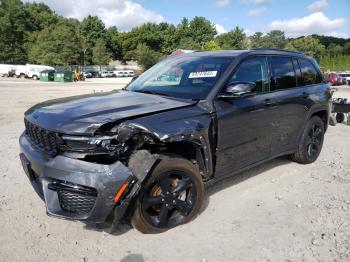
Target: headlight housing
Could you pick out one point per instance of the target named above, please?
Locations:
(100, 145)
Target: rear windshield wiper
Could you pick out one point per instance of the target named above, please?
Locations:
(151, 92)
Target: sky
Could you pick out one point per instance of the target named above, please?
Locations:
(294, 17)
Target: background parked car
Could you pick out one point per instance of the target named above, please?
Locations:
(346, 75)
(95, 74)
(120, 73)
(124, 73)
(86, 74)
(334, 79)
(107, 74)
(130, 73)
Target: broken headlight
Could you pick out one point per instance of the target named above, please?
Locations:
(101, 145)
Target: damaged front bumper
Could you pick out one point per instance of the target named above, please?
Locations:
(75, 189)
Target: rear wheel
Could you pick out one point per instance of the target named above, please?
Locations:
(311, 142)
(35, 77)
(172, 196)
(340, 117)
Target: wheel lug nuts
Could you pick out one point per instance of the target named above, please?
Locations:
(163, 200)
(174, 201)
(166, 205)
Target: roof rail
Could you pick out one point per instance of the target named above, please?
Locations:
(276, 49)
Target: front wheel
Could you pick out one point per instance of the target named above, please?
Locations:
(172, 196)
(311, 141)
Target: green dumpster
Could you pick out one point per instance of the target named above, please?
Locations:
(65, 76)
(47, 75)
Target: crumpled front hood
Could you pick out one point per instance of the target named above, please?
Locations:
(85, 114)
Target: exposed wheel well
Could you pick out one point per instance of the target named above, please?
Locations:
(323, 115)
(187, 150)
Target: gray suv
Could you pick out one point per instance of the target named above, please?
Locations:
(146, 152)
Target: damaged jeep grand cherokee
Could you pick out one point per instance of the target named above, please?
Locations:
(144, 153)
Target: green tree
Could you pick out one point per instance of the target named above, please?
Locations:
(183, 29)
(13, 28)
(347, 49)
(335, 63)
(257, 40)
(170, 41)
(39, 16)
(307, 45)
(189, 44)
(114, 43)
(146, 57)
(201, 30)
(211, 46)
(274, 39)
(100, 54)
(58, 44)
(91, 29)
(235, 39)
(327, 40)
(150, 34)
(335, 50)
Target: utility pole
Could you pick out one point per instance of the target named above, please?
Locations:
(84, 52)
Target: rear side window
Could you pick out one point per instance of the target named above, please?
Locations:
(309, 74)
(297, 72)
(283, 74)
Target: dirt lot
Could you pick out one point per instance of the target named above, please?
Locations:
(279, 211)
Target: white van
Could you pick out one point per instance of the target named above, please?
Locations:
(7, 70)
(31, 71)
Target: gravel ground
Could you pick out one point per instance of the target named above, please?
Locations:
(278, 211)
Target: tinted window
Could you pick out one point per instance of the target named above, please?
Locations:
(310, 75)
(253, 69)
(297, 72)
(282, 73)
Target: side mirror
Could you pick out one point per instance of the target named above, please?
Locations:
(238, 89)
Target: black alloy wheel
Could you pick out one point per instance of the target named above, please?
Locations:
(315, 139)
(169, 200)
(311, 141)
(171, 196)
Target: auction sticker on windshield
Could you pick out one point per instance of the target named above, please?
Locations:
(203, 74)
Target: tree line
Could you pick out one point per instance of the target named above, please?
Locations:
(33, 33)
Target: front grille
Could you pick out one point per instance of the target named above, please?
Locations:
(75, 202)
(74, 198)
(42, 139)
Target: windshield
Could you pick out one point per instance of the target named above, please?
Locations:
(184, 76)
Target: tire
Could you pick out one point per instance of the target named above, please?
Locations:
(22, 76)
(171, 196)
(340, 117)
(35, 77)
(311, 142)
